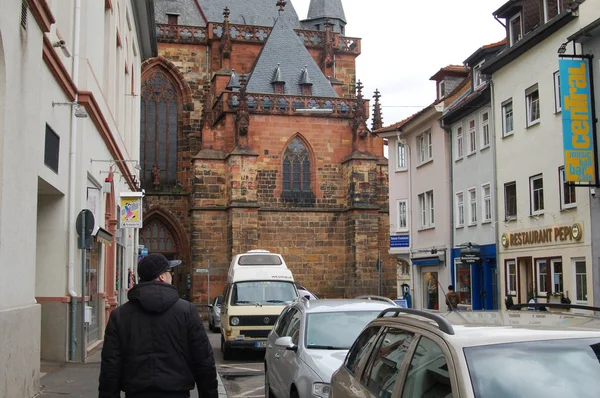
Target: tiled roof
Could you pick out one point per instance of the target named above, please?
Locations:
(450, 70)
(496, 44)
(331, 9)
(248, 12)
(284, 48)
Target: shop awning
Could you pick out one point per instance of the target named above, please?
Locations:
(104, 236)
(426, 261)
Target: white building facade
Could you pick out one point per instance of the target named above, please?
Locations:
(69, 134)
(543, 224)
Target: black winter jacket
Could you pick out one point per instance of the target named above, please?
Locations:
(155, 345)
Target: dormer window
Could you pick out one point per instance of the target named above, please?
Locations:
(172, 19)
(551, 9)
(515, 29)
(477, 76)
(441, 89)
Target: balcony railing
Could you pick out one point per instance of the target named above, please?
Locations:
(246, 33)
(276, 104)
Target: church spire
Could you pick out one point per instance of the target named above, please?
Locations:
(321, 10)
(377, 119)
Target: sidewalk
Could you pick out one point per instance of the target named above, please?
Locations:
(81, 379)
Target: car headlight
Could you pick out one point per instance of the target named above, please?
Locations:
(321, 390)
(234, 321)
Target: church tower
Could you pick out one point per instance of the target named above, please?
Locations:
(322, 12)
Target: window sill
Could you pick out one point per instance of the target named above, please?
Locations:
(538, 214)
(533, 124)
(556, 112)
(484, 147)
(401, 170)
(425, 162)
(461, 226)
(486, 222)
(401, 231)
(458, 159)
(568, 207)
(472, 224)
(471, 153)
(506, 135)
(426, 228)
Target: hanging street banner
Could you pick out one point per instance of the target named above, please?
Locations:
(131, 210)
(578, 127)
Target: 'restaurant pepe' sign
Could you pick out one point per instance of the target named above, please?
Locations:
(556, 234)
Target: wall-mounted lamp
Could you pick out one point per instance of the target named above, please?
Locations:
(79, 111)
(563, 48)
(107, 186)
(63, 46)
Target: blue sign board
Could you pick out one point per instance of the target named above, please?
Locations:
(577, 123)
(402, 303)
(399, 241)
(144, 251)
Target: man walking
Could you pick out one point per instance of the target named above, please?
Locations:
(452, 299)
(155, 345)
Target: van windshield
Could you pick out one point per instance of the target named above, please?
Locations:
(263, 293)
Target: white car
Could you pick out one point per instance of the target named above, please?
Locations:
(309, 342)
(492, 354)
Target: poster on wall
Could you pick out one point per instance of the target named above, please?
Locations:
(131, 210)
(578, 126)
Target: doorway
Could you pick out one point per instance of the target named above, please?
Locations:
(430, 285)
(526, 279)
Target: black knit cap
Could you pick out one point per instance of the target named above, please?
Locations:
(153, 265)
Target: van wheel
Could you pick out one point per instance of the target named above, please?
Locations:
(226, 349)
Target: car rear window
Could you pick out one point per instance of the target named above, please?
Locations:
(549, 369)
(259, 259)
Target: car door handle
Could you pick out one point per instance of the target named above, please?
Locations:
(277, 355)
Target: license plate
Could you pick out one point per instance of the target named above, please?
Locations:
(260, 344)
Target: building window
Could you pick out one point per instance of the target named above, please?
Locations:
(510, 201)
(515, 29)
(472, 136)
(296, 172)
(507, 118)
(541, 269)
(532, 99)
(557, 97)
(472, 206)
(568, 198)
(24, 7)
(441, 89)
(159, 132)
(580, 279)
(427, 210)
(425, 147)
(51, 149)
(400, 155)
(172, 19)
(536, 189)
(402, 215)
(477, 76)
(459, 143)
(551, 9)
(485, 129)
(460, 209)
(462, 283)
(557, 275)
(486, 192)
(511, 278)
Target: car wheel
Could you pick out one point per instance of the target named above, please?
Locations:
(268, 392)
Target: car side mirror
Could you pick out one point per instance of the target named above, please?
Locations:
(286, 343)
(307, 297)
(210, 306)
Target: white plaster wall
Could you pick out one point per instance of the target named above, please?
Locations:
(398, 187)
(538, 149)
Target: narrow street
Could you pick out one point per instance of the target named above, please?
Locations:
(242, 377)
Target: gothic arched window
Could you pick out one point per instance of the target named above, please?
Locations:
(296, 172)
(157, 238)
(158, 146)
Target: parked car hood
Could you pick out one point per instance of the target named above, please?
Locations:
(324, 362)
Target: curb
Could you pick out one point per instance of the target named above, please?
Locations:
(222, 391)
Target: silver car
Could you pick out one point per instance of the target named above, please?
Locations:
(492, 354)
(214, 314)
(309, 342)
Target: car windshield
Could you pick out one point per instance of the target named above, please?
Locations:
(263, 293)
(549, 369)
(336, 330)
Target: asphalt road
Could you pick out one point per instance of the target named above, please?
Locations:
(243, 377)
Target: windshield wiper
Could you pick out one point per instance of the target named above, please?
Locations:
(325, 347)
(248, 302)
(276, 301)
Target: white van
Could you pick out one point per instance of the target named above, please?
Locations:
(259, 286)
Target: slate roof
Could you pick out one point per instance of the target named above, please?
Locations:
(186, 9)
(284, 47)
(331, 9)
(248, 12)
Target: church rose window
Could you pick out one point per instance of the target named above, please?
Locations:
(158, 146)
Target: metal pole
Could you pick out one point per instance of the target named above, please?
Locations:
(208, 285)
(83, 249)
(379, 272)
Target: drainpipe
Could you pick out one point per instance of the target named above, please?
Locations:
(72, 187)
(448, 130)
(495, 183)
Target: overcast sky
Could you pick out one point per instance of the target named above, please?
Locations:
(406, 42)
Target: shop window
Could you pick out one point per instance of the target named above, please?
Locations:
(462, 282)
(580, 280)
(511, 278)
(557, 275)
(541, 268)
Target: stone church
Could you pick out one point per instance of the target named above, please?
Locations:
(254, 136)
